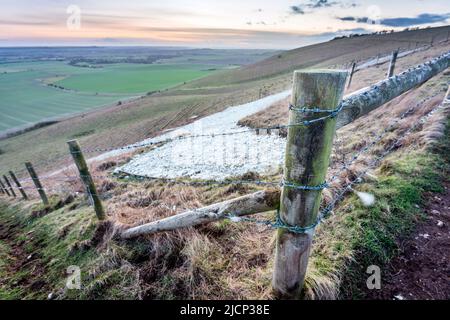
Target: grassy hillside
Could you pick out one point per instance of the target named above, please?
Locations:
(226, 260)
(34, 91)
(143, 118)
(41, 83)
(335, 52)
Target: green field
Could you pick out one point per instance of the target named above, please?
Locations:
(27, 98)
(133, 78)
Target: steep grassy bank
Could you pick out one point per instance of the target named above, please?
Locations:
(218, 261)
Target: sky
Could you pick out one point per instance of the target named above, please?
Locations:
(268, 24)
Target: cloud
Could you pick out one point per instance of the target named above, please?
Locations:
(424, 18)
(321, 4)
(297, 10)
(420, 19)
(312, 5)
(26, 23)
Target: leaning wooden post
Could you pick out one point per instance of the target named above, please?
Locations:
(351, 74)
(307, 158)
(37, 183)
(4, 188)
(86, 177)
(19, 186)
(392, 64)
(9, 186)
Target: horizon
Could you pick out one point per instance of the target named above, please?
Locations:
(273, 25)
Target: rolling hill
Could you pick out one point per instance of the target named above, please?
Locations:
(145, 117)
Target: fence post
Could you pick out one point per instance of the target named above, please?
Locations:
(19, 186)
(392, 64)
(351, 74)
(37, 183)
(307, 159)
(9, 186)
(86, 177)
(4, 188)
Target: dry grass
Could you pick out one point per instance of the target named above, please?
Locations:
(278, 113)
(224, 260)
(146, 117)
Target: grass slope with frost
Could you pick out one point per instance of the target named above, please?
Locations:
(202, 262)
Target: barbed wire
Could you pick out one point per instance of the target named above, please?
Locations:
(332, 114)
(287, 183)
(380, 137)
(59, 189)
(283, 183)
(63, 178)
(194, 183)
(325, 212)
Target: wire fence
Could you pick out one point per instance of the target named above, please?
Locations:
(328, 209)
(277, 223)
(324, 115)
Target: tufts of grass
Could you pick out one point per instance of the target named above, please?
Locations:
(357, 237)
(83, 134)
(57, 240)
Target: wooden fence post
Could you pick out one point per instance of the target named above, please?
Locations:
(351, 74)
(307, 159)
(37, 183)
(392, 64)
(4, 188)
(9, 186)
(19, 186)
(86, 177)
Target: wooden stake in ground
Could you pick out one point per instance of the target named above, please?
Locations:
(37, 183)
(351, 74)
(86, 178)
(9, 186)
(4, 188)
(1, 190)
(392, 64)
(19, 186)
(307, 159)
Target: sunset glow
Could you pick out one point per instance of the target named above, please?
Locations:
(241, 24)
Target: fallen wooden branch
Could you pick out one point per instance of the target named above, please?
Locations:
(257, 202)
(367, 99)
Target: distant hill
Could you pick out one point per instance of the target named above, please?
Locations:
(336, 51)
